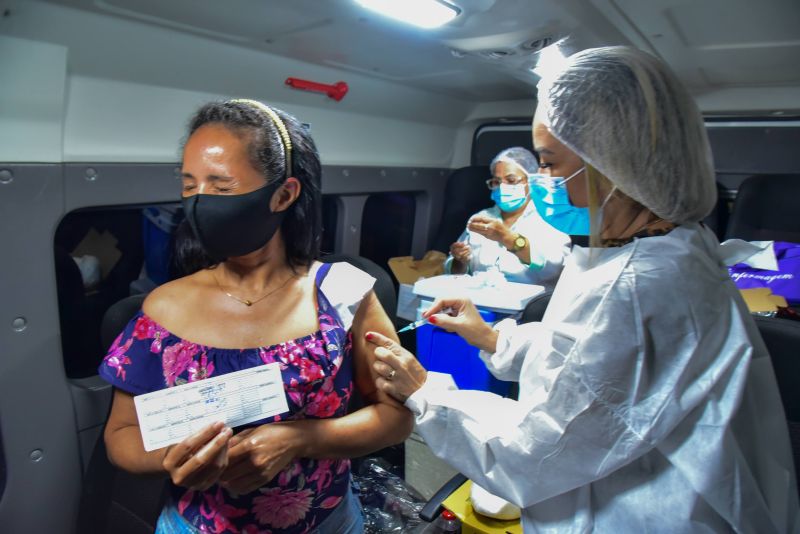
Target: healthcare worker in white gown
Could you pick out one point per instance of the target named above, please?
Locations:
(647, 400)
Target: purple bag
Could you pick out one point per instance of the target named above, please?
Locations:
(784, 282)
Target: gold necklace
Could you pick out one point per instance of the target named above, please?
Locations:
(248, 302)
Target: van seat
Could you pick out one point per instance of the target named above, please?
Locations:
(465, 194)
(766, 208)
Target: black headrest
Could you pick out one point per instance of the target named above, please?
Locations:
(465, 194)
(534, 310)
(766, 208)
(118, 316)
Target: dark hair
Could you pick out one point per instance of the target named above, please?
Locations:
(187, 255)
(302, 224)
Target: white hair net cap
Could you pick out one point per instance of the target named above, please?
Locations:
(519, 156)
(626, 114)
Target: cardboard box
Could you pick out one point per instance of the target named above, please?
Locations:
(102, 246)
(407, 270)
(473, 523)
(761, 299)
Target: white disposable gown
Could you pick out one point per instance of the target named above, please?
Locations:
(548, 248)
(648, 402)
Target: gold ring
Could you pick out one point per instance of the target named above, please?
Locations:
(391, 374)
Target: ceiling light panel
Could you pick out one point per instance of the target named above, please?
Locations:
(426, 14)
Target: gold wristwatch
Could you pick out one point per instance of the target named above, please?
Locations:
(520, 242)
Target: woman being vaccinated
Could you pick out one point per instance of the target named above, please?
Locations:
(251, 194)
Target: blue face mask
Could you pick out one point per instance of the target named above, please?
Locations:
(509, 197)
(549, 195)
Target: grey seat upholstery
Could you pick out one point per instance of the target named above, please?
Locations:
(117, 316)
(766, 208)
(465, 194)
(534, 310)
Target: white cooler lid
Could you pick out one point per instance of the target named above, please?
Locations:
(506, 297)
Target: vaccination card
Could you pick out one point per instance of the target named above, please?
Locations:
(170, 415)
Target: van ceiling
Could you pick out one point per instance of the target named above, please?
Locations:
(486, 53)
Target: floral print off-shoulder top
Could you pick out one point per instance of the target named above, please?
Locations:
(317, 376)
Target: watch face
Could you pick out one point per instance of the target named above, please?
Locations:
(520, 242)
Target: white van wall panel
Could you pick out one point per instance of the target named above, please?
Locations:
(370, 140)
(510, 109)
(462, 154)
(115, 48)
(483, 113)
(488, 112)
(132, 88)
(719, 47)
(115, 121)
(31, 100)
(756, 100)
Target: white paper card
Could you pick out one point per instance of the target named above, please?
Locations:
(170, 415)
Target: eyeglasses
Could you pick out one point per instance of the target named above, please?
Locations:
(511, 179)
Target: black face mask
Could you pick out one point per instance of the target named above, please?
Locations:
(233, 225)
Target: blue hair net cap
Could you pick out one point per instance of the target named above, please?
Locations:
(519, 156)
(625, 113)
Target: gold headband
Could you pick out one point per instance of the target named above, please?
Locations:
(284, 133)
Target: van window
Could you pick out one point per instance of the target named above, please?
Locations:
(101, 256)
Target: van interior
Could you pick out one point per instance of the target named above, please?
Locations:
(94, 101)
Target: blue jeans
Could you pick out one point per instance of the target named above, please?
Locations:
(345, 519)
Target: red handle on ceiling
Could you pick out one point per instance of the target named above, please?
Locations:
(336, 91)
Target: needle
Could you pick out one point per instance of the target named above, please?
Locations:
(417, 324)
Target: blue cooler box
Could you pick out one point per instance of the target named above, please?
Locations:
(445, 352)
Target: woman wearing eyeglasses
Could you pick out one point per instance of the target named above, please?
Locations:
(510, 236)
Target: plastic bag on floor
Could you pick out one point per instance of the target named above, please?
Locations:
(389, 504)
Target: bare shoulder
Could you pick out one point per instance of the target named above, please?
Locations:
(174, 298)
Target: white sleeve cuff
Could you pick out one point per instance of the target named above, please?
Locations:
(504, 328)
(434, 383)
(538, 259)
